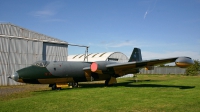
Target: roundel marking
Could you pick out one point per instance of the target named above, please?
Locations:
(93, 67)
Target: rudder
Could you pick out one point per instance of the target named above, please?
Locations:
(136, 55)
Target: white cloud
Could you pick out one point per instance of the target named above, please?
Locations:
(145, 14)
(44, 13)
(117, 44)
(120, 44)
(150, 8)
(132, 43)
(48, 10)
(56, 20)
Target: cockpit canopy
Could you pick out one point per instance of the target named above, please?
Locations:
(42, 63)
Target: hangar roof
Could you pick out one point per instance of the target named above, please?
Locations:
(106, 56)
(13, 31)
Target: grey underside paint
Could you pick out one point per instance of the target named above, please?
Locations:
(68, 69)
(75, 70)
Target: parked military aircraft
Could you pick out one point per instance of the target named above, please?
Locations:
(59, 73)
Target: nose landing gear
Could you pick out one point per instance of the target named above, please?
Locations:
(54, 87)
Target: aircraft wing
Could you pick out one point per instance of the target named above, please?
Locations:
(141, 64)
(132, 67)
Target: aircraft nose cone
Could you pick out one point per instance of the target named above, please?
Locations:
(15, 76)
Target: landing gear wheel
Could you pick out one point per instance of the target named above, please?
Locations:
(106, 82)
(54, 87)
(75, 84)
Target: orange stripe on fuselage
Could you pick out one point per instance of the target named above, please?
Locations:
(55, 80)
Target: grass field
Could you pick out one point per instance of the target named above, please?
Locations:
(150, 93)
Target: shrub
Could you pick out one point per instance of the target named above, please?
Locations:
(194, 69)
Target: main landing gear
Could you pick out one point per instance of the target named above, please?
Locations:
(110, 81)
(73, 84)
(59, 86)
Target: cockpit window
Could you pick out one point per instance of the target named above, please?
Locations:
(41, 63)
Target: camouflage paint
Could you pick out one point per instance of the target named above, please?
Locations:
(62, 72)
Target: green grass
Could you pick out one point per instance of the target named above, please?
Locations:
(149, 93)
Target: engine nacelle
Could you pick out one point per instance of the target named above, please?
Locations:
(184, 62)
(99, 65)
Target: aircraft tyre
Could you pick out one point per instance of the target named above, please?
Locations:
(106, 82)
(110, 82)
(75, 84)
(54, 87)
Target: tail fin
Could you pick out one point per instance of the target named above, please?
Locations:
(136, 55)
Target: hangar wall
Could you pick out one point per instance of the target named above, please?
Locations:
(164, 70)
(54, 52)
(16, 54)
(20, 48)
(106, 56)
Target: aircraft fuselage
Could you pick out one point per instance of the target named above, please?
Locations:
(58, 72)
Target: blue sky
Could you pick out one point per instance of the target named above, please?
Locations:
(161, 28)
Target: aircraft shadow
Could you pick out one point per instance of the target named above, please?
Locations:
(129, 83)
(158, 86)
(52, 90)
(132, 83)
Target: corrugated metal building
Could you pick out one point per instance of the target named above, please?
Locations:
(106, 56)
(20, 48)
(164, 70)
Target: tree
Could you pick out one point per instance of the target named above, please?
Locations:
(193, 69)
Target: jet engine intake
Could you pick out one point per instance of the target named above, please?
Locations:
(184, 62)
(95, 66)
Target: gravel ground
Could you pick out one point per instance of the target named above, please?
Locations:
(8, 90)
